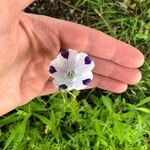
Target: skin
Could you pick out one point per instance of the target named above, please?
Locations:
(29, 42)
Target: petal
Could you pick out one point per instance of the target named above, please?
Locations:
(83, 80)
(59, 64)
(86, 75)
(79, 86)
(72, 58)
(59, 76)
(63, 86)
(65, 54)
(86, 81)
(87, 60)
(85, 68)
(83, 63)
(79, 62)
(65, 60)
(69, 57)
(63, 83)
(52, 70)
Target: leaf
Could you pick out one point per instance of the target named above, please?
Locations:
(95, 99)
(146, 110)
(9, 119)
(44, 120)
(118, 130)
(55, 128)
(10, 139)
(97, 128)
(131, 106)
(123, 5)
(17, 135)
(20, 133)
(108, 103)
(144, 101)
(74, 106)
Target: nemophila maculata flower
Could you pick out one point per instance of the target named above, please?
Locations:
(71, 70)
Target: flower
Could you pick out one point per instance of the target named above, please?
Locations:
(71, 70)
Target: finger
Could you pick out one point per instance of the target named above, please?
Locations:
(23, 3)
(99, 44)
(108, 84)
(16, 5)
(112, 70)
(9, 9)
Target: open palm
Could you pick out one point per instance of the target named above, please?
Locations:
(29, 42)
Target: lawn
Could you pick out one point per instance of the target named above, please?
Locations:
(91, 119)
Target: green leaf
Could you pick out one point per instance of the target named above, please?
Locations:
(131, 106)
(98, 128)
(74, 106)
(17, 135)
(7, 120)
(20, 133)
(108, 103)
(10, 139)
(44, 120)
(95, 99)
(146, 110)
(144, 101)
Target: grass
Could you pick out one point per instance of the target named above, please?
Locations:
(92, 119)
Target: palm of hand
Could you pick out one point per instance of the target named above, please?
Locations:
(24, 68)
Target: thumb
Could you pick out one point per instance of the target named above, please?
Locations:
(22, 4)
(15, 5)
(9, 9)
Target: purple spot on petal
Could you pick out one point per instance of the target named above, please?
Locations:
(65, 54)
(87, 60)
(52, 70)
(63, 86)
(86, 81)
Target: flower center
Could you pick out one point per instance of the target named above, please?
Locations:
(71, 74)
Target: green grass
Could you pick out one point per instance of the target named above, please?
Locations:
(93, 119)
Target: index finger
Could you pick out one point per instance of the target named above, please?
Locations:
(98, 44)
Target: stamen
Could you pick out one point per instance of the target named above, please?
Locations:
(71, 74)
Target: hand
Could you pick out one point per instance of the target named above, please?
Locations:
(29, 42)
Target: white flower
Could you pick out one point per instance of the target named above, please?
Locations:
(71, 70)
